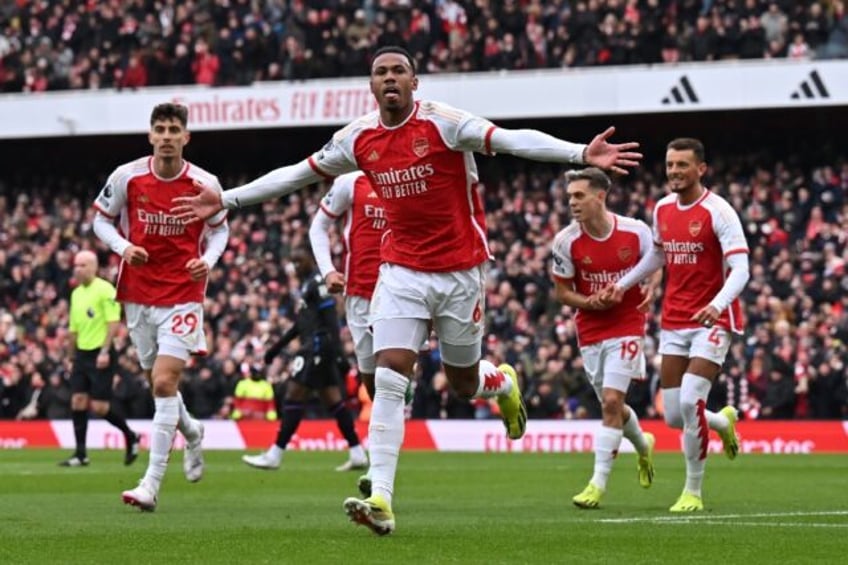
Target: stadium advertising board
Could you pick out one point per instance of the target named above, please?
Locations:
(553, 93)
(546, 436)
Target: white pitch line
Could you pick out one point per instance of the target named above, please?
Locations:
(704, 517)
(773, 524)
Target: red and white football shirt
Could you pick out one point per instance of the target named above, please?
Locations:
(142, 201)
(353, 198)
(696, 239)
(592, 264)
(423, 170)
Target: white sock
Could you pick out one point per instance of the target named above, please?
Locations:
(357, 453)
(607, 442)
(164, 429)
(671, 408)
(187, 425)
(633, 432)
(693, 407)
(491, 382)
(386, 429)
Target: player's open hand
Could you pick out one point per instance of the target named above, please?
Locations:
(136, 255)
(197, 268)
(706, 316)
(335, 282)
(202, 206)
(612, 156)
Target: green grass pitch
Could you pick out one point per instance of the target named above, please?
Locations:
(450, 508)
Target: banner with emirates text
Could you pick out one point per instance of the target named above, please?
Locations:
(543, 436)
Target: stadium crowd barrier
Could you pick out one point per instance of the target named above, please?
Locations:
(543, 436)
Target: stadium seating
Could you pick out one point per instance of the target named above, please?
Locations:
(127, 44)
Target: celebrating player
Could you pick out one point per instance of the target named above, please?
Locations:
(162, 281)
(594, 250)
(418, 155)
(699, 237)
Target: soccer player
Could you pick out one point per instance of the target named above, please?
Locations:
(598, 247)
(316, 367)
(699, 238)
(162, 281)
(95, 317)
(353, 199)
(419, 157)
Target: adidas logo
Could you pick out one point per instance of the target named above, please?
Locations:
(681, 93)
(373, 156)
(813, 87)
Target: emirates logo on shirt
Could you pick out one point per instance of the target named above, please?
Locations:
(400, 183)
(160, 223)
(420, 146)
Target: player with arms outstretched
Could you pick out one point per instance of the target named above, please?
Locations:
(597, 248)
(419, 157)
(162, 281)
(699, 239)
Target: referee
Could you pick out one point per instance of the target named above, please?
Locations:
(94, 320)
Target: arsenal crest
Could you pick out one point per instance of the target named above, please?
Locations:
(420, 146)
(695, 227)
(625, 254)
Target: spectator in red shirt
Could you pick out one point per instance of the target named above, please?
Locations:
(205, 65)
(135, 74)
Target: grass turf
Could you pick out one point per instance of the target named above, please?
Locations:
(450, 508)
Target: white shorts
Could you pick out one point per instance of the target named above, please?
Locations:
(613, 363)
(454, 301)
(356, 312)
(711, 344)
(176, 331)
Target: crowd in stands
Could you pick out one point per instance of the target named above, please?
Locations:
(790, 364)
(127, 44)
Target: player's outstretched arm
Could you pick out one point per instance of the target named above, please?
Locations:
(611, 156)
(539, 146)
(279, 182)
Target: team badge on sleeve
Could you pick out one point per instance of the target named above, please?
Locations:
(105, 195)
